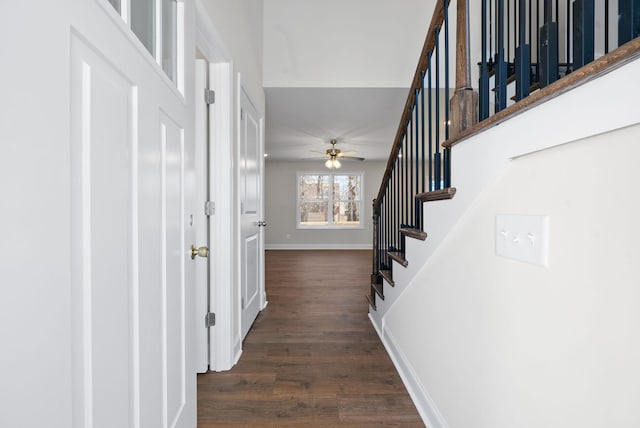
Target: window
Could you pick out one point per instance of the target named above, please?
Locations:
(156, 24)
(329, 200)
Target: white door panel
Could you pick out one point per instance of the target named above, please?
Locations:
(102, 170)
(250, 205)
(173, 266)
(132, 195)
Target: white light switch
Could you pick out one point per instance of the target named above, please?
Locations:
(523, 237)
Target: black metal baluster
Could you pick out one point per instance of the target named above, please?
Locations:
(382, 220)
(568, 36)
(447, 167)
(396, 203)
(537, 40)
(548, 47)
(423, 188)
(606, 26)
(629, 20)
(436, 158)
(447, 120)
(416, 160)
(483, 108)
(508, 20)
(523, 66)
(430, 122)
(389, 223)
(583, 32)
(484, 9)
(410, 220)
(400, 190)
(407, 189)
(446, 74)
(501, 65)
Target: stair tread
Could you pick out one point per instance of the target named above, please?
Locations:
(378, 289)
(437, 195)
(372, 303)
(386, 274)
(398, 257)
(414, 233)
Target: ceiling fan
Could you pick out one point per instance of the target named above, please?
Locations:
(334, 155)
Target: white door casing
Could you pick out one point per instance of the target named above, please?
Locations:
(215, 345)
(132, 197)
(201, 219)
(250, 189)
(222, 352)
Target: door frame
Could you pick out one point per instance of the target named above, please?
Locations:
(223, 300)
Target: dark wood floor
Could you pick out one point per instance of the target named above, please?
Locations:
(312, 357)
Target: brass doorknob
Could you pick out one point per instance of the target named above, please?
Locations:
(201, 252)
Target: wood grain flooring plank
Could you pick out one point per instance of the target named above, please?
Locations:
(312, 357)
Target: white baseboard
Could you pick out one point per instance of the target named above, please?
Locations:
(317, 246)
(425, 405)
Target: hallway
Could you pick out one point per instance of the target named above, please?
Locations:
(312, 357)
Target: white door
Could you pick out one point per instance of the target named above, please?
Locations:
(251, 247)
(132, 200)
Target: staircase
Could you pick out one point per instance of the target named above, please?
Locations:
(451, 138)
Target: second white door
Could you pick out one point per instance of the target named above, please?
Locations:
(251, 247)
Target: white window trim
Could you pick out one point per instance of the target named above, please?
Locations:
(123, 21)
(330, 225)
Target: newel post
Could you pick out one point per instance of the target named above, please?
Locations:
(464, 102)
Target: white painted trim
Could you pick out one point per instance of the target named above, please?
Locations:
(237, 233)
(425, 405)
(263, 289)
(200, 219)
(221, 273)
(317, 246)
(222, 354)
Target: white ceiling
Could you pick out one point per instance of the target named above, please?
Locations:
(300, 121)
(338, 69)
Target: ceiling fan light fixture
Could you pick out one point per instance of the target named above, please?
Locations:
(332, 163)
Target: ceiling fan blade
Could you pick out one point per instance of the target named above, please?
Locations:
(347, 152)
(352, 158)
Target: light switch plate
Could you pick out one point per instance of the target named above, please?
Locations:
(523, 237)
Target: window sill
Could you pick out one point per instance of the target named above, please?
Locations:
(329, 226)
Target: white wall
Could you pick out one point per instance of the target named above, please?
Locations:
(239, 24)
(280, 207)
(337, 43)
(35, 258)
(502, 343)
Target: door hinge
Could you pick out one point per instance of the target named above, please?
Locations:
(209, 96)
(210, 319)
(242, 303)
(209, 208)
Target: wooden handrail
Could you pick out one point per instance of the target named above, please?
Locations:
(429, 44)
